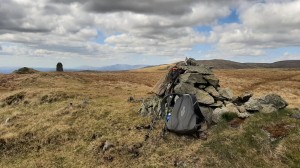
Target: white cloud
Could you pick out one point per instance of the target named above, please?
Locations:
(70, 28)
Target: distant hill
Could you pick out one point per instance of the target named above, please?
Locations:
(225, 64)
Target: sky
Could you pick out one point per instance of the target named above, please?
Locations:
(77, 33)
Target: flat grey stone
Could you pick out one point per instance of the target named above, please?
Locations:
(203, 97)
(201, 69)
(212, 91)
(192, 78)
(211, 79)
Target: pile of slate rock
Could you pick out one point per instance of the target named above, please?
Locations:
(213, 100)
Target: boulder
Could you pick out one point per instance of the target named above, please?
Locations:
(185, 88)
(212, 91)
(212, 80)
(192, 78)
(203, 97)
(253, 105)
(275, 100)
(226, 93)
(201, 69)
(217, 114)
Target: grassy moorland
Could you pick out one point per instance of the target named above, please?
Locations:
(64, 119)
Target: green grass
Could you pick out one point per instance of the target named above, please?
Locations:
(59, 135)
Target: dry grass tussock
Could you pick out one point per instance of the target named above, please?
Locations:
(64, 120)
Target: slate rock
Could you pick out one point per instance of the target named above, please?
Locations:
(185, 88)
(241, 109)
(192, 78)
(212, 91)
(207, 113)
(201, 69)
(232, 108)
(204, 97)
(226, 93)
(217, 115)
(253, 105)
(212, 80)
(277, 101)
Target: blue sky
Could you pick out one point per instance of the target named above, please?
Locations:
(77, 33)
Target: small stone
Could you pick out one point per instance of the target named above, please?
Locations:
(297, 116)
(243, 115)
(226, 93)
(201, 86)
(7, 120)
(241, 109)
(203, 97)
(212, 91)
(213, 80)
(107, 145)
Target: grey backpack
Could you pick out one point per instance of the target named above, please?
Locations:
(182, 115)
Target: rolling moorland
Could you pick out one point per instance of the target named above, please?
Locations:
(50, 119)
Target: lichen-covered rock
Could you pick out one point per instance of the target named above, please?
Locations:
(212, 91)
(212, 80)
(217, 114)
(185, 88)
(201, 69)
(277, 101)
(203, 97)
(232, 108)
(192, 78)
(253, 105)
(226, 93)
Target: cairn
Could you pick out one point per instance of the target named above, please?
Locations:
(213, 100)
(59, 67)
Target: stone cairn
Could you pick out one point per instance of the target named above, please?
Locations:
(59, 67)
(213, 100)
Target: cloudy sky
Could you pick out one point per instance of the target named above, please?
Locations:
(40, 33)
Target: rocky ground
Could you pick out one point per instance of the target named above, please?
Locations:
(88, 120)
